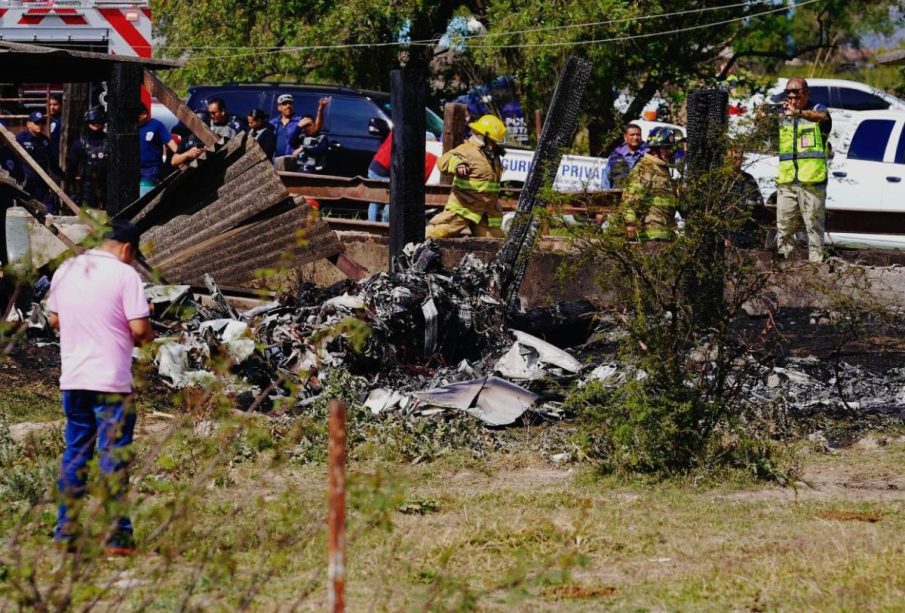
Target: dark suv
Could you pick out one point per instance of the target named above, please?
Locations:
(356, 121)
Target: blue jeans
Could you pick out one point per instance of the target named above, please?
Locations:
(105, 421)
(374, 207)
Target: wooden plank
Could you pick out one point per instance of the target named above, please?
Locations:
(22, 154)
(169, 99)
(349, 267)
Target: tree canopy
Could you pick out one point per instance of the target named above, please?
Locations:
(638, 48)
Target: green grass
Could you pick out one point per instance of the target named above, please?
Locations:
(29, 402)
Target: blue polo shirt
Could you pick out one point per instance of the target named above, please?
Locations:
(284, 134)
(153, 136)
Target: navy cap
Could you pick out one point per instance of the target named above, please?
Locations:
(36, 117)
(125, 232)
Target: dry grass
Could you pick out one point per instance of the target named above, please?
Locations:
(486, 534)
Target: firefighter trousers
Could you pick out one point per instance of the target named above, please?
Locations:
(447, 224)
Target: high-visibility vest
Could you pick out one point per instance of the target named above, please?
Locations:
(802, 152)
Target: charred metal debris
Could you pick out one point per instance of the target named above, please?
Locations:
(426, 338)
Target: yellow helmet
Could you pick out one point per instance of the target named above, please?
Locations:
(490, 126)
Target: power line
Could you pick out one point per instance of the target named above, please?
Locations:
(270, 50)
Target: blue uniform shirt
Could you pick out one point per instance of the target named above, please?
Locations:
(56, 127)
(153, 136)
(10, 163)
(284, 134)
(38, 147)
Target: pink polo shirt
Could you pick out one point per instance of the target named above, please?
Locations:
(95, 295)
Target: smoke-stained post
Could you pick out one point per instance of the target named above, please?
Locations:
(123, 162)
(408, 96)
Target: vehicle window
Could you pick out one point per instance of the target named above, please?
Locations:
(432, 121)
(350, 115)
(870, 139)
(819, 95)
(238, 103)
(900, 149)
(857, 100)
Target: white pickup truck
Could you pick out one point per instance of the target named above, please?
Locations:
(866, 174)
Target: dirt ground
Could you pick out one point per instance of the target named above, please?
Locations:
(227, 517)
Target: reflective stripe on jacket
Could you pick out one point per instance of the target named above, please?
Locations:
(802, 152)
(476, 195)
(651, 196)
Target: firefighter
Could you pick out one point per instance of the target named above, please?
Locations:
(36, 143)
(476, 168)
(651, 197)
(87, 162)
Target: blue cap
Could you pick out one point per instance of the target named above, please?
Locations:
(36, 117)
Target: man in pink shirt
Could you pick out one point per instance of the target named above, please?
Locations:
(98, 304)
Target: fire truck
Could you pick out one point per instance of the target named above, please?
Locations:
(105, 26)
(118, 27)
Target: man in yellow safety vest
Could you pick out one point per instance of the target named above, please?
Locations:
(474, 199)
(801, 181)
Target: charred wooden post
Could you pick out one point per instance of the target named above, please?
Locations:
(562, 120)
(454, 125)
(336, 517)
(408, 97)
(75, 104)
(123, 107)
(707, 122)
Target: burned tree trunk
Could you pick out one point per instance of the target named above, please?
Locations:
(707, 122)
(559, 128)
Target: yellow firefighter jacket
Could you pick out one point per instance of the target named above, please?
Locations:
(478, 193)
(651, 196)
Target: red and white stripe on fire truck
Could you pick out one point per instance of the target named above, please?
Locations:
(111, 26)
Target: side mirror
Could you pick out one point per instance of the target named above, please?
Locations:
(378, 127)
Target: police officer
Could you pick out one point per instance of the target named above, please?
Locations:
(221, 123)
(87, 162)
(55, 113)
(36, 143)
